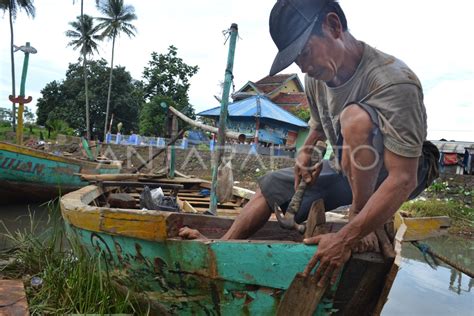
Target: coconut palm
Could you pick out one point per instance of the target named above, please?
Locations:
(13, 7)
(116, 20)
(84, 36)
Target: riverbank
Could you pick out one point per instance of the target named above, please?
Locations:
(58, 275)
(450, 195)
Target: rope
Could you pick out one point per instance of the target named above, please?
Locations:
(425, 249)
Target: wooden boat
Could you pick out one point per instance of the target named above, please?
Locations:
(213, 277)
(28, 175)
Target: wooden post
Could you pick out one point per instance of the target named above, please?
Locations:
(27, 49)
(218, 153)
(173, 131)
(257, 121)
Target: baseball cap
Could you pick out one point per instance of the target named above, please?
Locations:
(291, 24)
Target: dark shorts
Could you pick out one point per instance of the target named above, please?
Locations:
(333, 187)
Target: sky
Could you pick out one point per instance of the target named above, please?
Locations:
(434, 38)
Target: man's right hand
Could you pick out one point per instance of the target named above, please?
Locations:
(303, 168)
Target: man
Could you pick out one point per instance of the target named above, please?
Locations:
(369, 106)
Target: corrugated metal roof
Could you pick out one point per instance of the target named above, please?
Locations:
(248, 108)
(452, 146)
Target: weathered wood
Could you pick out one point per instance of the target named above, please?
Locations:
(31, 175)
(419, 228)
(13, 298)
(361, 282)
(215, 227)
(134, 184)
(108, 177)
(121, 200)
(215, 130)
(316, 223)
(302, 296)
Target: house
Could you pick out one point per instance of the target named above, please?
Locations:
(284, 90)
(455, 157)
(257, 117)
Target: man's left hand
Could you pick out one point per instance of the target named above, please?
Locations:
(332, 253)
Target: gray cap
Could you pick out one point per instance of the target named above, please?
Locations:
(291, 24)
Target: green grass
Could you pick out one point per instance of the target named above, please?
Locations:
(73, 282)
(461, 215)
(34, 133)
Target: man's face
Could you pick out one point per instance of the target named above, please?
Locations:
(318, 58)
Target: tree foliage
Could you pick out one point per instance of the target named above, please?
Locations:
(168, 75)
(64, 100)
(84, 35)
(5, 115)
(303, 114)
(166, 78)
(116, 20)
(153, 116)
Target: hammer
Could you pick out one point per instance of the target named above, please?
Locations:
(287, 219)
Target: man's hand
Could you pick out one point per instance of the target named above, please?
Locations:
(304, 170)
(331, 255)
(368, 243)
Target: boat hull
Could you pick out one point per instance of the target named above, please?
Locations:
(203, 278)
(149, 261)
(28, 175)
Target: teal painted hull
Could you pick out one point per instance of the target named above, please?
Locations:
(205, 278)
(30, 175)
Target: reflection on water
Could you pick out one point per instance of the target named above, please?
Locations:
(421, 290)
(19, 217)
(417, 290)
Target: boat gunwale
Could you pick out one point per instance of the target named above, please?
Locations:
(17, 149)
(76, 208)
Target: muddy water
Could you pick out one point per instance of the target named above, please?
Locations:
(418, 288)
(18, 218)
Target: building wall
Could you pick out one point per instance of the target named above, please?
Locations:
(247, 126)
(290, 87)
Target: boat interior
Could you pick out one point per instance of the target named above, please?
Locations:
(193, 202)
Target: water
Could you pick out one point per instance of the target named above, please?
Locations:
(417, 290)
(420, 290)
(18, 217)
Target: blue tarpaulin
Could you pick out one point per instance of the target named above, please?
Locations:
(267, 137)
(249, 108)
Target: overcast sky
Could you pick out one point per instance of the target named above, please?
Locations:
(433, 37)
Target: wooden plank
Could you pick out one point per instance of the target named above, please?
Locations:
(13, 298)
(361, 283)
(226, 205)
(142, 184)
(305, 288)
(419, 228)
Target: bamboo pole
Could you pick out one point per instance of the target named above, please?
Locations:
(219, 151)
(204, 127)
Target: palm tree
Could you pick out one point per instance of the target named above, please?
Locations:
(85, 73)
(116, 20)
(84, 37)
(13, 6)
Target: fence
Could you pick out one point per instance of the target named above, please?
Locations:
(184, 143)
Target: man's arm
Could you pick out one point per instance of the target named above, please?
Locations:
(335, 249)
(303, 159)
